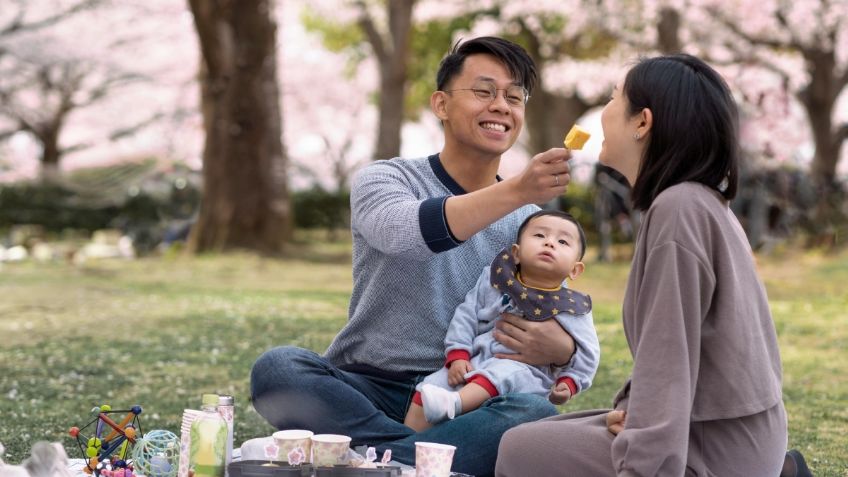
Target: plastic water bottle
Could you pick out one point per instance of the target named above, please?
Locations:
(208, 440)
(226, 408)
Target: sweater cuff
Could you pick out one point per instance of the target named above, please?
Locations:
(572, 386)
(456, 355)
(434, 225)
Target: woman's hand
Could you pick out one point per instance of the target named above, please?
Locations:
(538, 343)
(615, 421)
(457, 371)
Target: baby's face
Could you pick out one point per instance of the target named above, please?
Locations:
(549, 249)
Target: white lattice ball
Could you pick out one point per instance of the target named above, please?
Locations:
(157, 454)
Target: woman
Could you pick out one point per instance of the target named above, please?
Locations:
(704, 396)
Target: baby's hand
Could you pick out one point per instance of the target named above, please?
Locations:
(457, 370)
(560, 394)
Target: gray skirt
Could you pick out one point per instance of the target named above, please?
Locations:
(579, 444)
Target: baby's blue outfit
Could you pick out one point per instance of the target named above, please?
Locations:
(498, 290)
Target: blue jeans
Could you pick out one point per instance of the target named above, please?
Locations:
(294, 388)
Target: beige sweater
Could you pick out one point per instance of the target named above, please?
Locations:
(697, 321)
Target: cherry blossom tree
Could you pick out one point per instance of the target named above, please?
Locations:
(786, 61)
(69, 79)
(805, 45)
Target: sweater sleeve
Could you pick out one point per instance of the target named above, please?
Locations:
(388, 213)
(463, 326)
(587, 354)
(664, 329)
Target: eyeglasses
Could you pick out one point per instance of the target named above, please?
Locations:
(515, 95)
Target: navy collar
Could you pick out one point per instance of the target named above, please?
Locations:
(445, 178)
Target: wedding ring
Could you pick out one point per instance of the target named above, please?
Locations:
(556, 178)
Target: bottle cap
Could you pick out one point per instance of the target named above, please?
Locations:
(209, 400)
(225, 400)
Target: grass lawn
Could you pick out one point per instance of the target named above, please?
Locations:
(159, 332)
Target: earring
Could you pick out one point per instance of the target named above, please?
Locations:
(636, 136)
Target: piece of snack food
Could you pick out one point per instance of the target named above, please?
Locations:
(576, 138)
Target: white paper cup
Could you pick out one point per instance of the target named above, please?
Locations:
(289, 439)
(329, 449)
(432, 459)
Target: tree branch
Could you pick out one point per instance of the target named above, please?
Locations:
(366, 23)
(842, 80)
(842, 134)
(100, 91)
(780, 15)
(75, 148)
(734, 28)
(130, 130)
(7, 134)
(17, 25)
(212, 37)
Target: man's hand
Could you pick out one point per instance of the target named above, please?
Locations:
(615, 421)
(546, 176)
(538, 343)
(560, 394)
(457, 370)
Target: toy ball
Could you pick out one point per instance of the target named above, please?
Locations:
(157, 454)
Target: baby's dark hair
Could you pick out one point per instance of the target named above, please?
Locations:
(555, 213)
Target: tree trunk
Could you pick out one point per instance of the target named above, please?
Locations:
(550, 116)
(819, 97)
(244, 204)
(50, 156)
(668, 31)
(393, 57)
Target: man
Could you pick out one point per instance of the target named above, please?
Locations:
(423, 229)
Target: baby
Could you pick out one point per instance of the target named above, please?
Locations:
(526, 280)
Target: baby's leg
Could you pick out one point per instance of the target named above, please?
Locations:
(415, 418)
(433, 404)
(473, 396)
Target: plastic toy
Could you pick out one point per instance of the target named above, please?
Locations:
(108, 451)
(157, 454)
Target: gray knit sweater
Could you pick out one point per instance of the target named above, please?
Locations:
(409, 273)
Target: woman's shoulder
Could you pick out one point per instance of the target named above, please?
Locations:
(685, 212)
(687, 199)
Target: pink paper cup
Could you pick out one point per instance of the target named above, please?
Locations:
(329, 449)
(433, 460)
(289, 439)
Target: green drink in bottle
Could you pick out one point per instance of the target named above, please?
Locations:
(208, 440)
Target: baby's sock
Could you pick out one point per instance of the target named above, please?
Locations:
(440, 404)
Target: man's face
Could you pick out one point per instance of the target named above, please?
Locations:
(482, 126)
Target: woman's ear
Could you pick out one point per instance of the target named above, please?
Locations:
(645, 122)
(438, 103)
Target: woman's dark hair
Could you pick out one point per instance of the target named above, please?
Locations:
(694, 136)
(514, 57)
(554, 213)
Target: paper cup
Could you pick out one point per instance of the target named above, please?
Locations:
(289, 439)
(329, 449)
(433, 460)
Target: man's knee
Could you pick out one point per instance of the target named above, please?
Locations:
(521, 408)
(275, 367)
